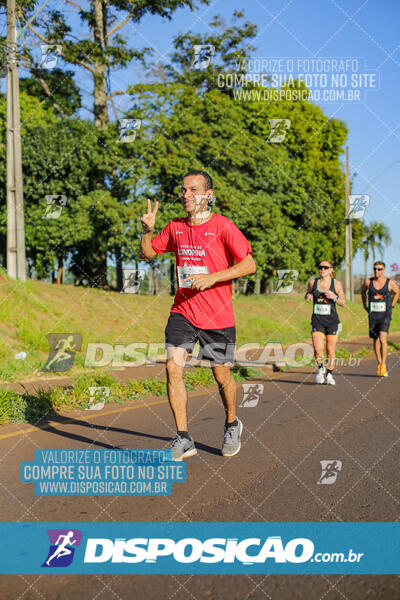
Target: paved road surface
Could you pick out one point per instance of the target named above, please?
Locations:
(294, 426)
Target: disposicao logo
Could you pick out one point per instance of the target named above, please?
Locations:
(191, 550)
(62, 547)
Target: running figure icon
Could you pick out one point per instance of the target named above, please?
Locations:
(62, 549)
(63, 346)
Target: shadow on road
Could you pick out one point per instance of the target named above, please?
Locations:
(46, 425)
(209, 449)
(293, 381)
(359, 375)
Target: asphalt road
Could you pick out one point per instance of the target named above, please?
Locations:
(292, 426)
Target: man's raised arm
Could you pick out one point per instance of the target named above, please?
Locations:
(148, 221)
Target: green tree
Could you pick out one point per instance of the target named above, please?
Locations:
(65, 158)
(100, 50)
(46, 85)
(288, 198)
(377, 236)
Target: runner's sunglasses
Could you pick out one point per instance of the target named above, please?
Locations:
(324, 267)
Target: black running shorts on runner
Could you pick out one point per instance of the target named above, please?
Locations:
(375, 327)
(334, 330)
(216, 345)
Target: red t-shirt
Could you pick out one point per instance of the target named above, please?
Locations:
(212, 246)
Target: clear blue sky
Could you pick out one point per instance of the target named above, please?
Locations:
(366, 31)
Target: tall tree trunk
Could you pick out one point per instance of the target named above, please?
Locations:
(250, 287)
(101, 119)
(119, 279)
(151, 281)
(264, 285)
(60, 270)
(99, 271)
(100, 69)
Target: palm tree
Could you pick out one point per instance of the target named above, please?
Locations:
(377, 236)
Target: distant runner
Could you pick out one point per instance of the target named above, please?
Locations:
(377, 299)
(206, 247)
(325, 292)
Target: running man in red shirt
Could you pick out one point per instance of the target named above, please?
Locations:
(206, 247)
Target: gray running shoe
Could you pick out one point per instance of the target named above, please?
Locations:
(231, 445)
(182, 448)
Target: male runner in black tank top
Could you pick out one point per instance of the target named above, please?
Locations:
(325, 292)
(377, 299)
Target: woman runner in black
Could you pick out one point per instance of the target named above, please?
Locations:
(377, 299)
(325, 292)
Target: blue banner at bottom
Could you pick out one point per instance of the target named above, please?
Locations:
(195, 548)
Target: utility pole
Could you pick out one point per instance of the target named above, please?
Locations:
(349, 237)
(16, 263)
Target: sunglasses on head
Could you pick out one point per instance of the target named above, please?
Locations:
(324, 267)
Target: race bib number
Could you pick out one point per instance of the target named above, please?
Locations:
(186, 271)
(322, 309)
(378, 307)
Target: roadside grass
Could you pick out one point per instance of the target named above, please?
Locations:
(30, 310)
(344, 354)
(393, 346)
(32, 408)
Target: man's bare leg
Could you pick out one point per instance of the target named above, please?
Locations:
(377, 350)
(177, 395)
(227, 390)
(383, 336)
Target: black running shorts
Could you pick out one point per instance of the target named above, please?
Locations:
(332, 330)
(375, 327)
(216, 345)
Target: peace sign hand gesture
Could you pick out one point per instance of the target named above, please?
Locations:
(149, 219)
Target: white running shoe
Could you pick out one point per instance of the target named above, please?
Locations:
(320, 376)
(330, 380)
